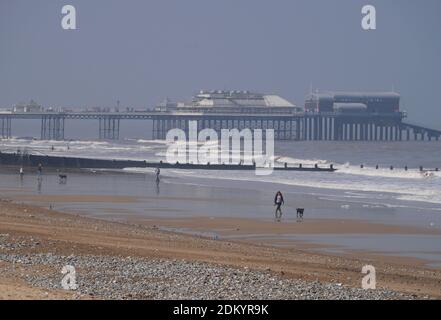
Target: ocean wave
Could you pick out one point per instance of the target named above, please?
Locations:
(397, 173)
(296, 161)
(150, 141)
(399, 190)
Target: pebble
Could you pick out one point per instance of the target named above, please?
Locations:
(114, 277)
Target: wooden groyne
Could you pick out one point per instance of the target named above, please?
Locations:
(32, 160)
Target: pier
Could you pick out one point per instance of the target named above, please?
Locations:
(327, 116)
(302, 126)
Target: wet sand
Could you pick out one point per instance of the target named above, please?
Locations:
(240, 226)
(76, 198)
(59, 233)
(337, 223)
(321, 235)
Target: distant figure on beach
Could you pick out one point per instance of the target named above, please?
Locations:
(278, 201)
(21, 172)
(40, 169)
(52, 148)
(157, 172)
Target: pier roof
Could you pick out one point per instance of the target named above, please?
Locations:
(213, 99)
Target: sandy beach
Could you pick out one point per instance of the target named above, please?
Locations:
(35, 242)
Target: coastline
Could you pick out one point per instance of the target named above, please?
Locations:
(30, 231)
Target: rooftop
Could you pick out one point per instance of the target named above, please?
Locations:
(355, 94)
(237, 99)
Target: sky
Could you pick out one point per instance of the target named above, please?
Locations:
(141, 51)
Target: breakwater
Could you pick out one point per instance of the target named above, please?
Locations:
(32, 160)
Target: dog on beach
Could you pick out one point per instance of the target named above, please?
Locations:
(63, 178)
(300, 212)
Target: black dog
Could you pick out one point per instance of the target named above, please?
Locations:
(300, 213)
(63, 178)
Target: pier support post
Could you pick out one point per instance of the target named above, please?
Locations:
(320, 128)
(316, 128)
(365, 132)
(337, 130)
(309, 126)
(6, 131)
(52, 128)
(290, 129)
(351, 132)
(109, 128)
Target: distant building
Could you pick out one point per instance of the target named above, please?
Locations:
(237, 102)
(166, 105)
(32, 106)
(373, 102)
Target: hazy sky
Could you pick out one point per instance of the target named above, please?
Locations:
(142, 51)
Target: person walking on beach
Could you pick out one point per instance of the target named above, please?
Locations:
(21, 172)
(40, 169)
(157, 171)
(278, 201)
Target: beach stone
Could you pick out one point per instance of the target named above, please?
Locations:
(112, 277)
